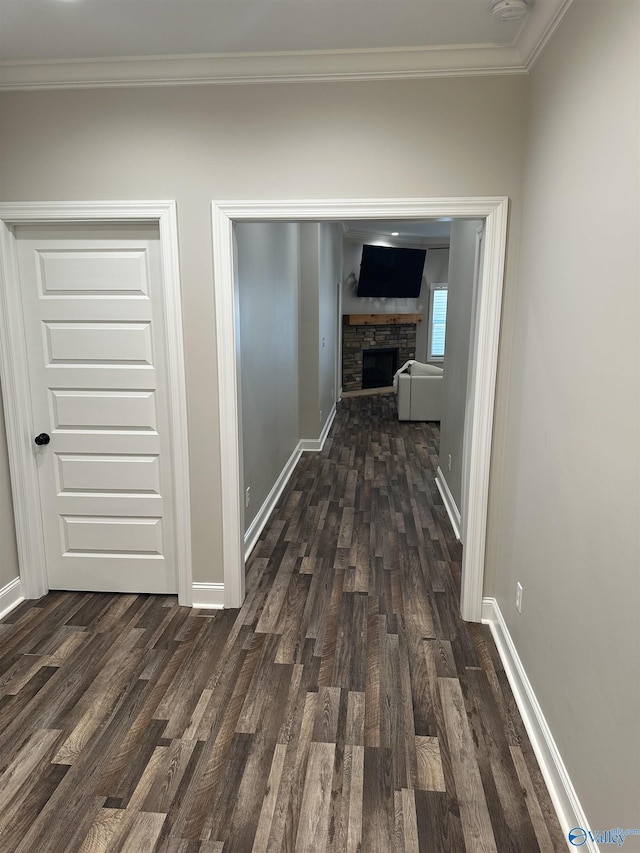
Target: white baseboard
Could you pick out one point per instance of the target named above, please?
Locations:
(257, 525)
(208, 596)
(449, 504)
(10, 596)
(316, 444)
(563, 795)
(305, 444)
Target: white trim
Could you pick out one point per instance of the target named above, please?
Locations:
(15, 382)
(316, 444)
(494, 211)
(479, 412)
(449, 503)
(208, 596)
(563, 795)
(177, 394)
(14, 377)
(228, 395)
(257, 525)
(10, 597)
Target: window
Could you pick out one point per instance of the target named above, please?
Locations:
(437, 321)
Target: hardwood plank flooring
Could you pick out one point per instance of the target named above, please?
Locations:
(344, 707)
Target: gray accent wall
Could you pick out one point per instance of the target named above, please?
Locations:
(460, 302)
(309, 322)
(320, 273)
(267, 282)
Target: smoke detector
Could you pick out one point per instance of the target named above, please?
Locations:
(509, 10)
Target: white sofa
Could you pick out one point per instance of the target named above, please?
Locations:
(419, 393)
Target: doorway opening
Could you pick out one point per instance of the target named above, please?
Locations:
(481, 392)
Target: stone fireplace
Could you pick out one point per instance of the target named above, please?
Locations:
(375, 332)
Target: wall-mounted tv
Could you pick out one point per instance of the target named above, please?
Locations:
(390, 272)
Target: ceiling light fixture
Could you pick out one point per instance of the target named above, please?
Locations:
(395, 233)
(509, 10)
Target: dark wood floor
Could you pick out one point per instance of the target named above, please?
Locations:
(345, 707)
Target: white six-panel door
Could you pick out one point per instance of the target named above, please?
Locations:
(94, 332)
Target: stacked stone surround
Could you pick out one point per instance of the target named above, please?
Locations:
(355, 339)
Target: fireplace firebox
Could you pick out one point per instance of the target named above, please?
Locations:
(379, 366)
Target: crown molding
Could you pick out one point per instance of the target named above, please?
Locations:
(296, 66)
(288, 67)
(534, 41)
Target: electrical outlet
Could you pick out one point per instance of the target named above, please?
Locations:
(247, 497)
(324, 343)
(519, 597)
(320, 415)
(449, 461)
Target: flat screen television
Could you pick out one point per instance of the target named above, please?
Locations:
(390, 272)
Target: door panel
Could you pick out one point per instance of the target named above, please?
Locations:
(81, 273)
(90, 473)
(85, 345)
(94, 330)
(109, 536)
(113, 410)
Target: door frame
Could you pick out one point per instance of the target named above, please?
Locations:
(14, 375)
(486, 332)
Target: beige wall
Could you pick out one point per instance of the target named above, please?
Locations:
(445, 137)
(567, 522)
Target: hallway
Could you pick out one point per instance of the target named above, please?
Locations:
(345, 707)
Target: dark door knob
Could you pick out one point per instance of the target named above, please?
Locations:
(43, 438)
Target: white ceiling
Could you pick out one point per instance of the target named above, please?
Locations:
(84, 42)
(75, 29)
(436, 230)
